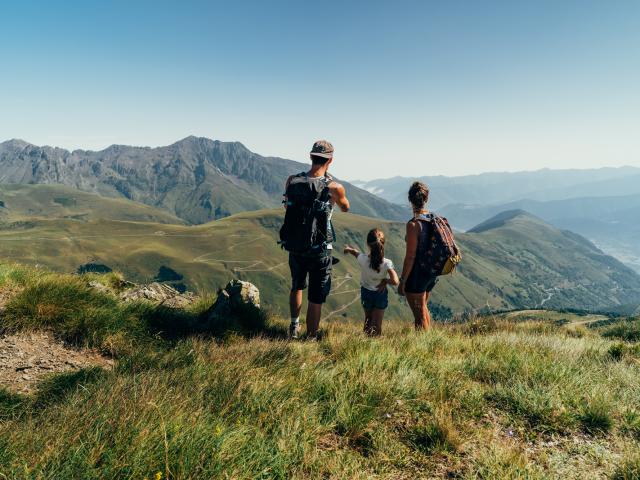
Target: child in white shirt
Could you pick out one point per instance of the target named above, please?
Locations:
(376, 272)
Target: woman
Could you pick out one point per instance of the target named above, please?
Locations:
(416, 283)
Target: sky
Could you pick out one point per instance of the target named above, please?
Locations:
(399, 87)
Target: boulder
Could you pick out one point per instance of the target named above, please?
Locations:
(236, 297)
(159, 293)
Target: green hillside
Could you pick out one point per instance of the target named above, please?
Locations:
(523, 398)
(612, 223)
(35, 202)
(523, 263)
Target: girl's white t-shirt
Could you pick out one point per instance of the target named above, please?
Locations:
(369, 278)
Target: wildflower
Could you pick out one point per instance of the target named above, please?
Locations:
(158, 476)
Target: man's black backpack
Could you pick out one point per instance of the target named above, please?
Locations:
(307, 228)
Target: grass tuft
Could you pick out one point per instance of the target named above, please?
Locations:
(434, 434)
(596, 416)
(629, 469)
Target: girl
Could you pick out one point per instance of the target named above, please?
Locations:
(376, 272)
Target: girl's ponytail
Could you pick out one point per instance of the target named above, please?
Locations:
(375, 240)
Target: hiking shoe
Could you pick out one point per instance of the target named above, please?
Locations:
(294, 331)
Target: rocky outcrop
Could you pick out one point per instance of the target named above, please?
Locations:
(236, 297)
(159, 293)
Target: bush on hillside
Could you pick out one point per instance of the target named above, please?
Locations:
(628, 331)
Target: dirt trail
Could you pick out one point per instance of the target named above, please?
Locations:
(26, 358)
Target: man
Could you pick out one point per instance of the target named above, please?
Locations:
(307, 234)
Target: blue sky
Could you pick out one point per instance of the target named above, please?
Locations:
(401, 88)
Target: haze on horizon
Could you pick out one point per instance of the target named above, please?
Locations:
(409, 88)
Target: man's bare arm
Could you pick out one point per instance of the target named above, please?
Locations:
(339, 196)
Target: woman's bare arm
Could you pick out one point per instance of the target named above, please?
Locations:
(413, 232)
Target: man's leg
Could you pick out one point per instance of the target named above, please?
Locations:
(295, 306)
(319, 287)
(295, 303)
(298, 283)
(314, 311)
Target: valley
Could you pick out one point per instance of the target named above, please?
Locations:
(516, 261)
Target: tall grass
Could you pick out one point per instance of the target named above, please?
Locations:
(502, 401)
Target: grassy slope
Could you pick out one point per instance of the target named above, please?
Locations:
(498, 267)
(489, 399)
(35, 202)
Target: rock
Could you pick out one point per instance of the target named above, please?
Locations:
(235, 296)
(159, 293)
(98, 286)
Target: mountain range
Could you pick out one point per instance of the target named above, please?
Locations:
(513, 261)
(149, 213)
(600, 204)
(195, 179)
(499, 188)
(612, 223)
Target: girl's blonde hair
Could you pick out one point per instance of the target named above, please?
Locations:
(375, 240)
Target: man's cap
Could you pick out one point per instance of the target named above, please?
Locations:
(323, 149)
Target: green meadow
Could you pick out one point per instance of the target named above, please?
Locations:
(496, 397)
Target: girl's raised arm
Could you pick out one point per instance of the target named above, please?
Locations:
(351, 251)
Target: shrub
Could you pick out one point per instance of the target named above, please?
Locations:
(628, 331)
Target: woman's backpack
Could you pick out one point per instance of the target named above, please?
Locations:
(438, 254)
(307, 228)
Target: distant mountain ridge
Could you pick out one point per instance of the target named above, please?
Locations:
(195, 179)
(612, 223)
(504, 187)
(501, 219)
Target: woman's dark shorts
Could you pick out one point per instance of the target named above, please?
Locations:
(419, 282)
(318, 269)
(374, 299)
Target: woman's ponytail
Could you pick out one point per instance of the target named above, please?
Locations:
(375, 240)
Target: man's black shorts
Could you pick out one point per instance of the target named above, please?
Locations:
(319, 271)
